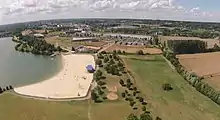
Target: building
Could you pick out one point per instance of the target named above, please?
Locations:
(85, 39)
(39, 35)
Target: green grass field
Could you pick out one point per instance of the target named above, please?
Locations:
(17, 108)
(150, 72)
(182, 103)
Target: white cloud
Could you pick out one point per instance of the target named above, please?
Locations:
(46, 9)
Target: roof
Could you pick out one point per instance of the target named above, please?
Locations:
(89, 67)
(38, 35)
(85, 38)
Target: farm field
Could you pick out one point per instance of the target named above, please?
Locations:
(203, 64)
(210, 42)
(133, 49)
(66, 42)
(182, 103)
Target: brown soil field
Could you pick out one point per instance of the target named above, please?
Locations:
(66, 42)
(133, 49)
(210, 42)
(204, 64)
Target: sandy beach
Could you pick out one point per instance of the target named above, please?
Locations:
(73, 81)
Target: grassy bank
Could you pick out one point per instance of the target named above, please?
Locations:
(182, 103)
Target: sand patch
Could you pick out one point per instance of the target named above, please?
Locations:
(73, 81)
(112, 96)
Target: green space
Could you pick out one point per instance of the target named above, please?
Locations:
(18, 108)
(182, 103)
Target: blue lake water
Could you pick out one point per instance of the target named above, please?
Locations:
(19, 69)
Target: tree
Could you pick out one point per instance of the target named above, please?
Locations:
(114, 51)
(123, 94)
(167, 87)
(146, 116)
(158, 118)
(144, 108)
(1, 91)
(59, 49)
(141, 99)
(98, 73)
(7, 88)
(106, 59)
(10, 87)
(119, 51)
(121, 82)
(123, 52)
(140, 52)
(73, 49)
(132, 117)
(98, 62)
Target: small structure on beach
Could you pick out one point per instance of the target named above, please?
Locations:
(90, 68)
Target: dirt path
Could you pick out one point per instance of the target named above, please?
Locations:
(168, 62)
(89, 110)
(106, 47)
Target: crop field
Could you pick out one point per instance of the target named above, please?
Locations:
(66, 42)
(210, 42)
(204, 64)
(134, 49)
(182, 103)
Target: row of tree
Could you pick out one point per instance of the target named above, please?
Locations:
(4, 89)
(190, 46)
(193, 79)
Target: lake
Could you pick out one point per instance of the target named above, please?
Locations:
(19, 69)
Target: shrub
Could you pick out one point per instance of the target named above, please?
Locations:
(167, 87)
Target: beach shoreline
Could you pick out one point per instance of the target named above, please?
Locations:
(72, 82)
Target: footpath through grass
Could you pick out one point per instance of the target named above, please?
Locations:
(182, 103)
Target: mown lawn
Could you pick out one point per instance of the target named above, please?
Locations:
(182, 103)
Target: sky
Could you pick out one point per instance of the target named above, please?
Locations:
(13, 11)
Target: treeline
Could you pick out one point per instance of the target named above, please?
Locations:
(192, 79)
(190, 33)
(190, 46)
(187, 46)
(5, 89)
(35, 46)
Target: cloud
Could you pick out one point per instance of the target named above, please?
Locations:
(168, 9)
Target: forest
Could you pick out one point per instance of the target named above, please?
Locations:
(36, 46)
